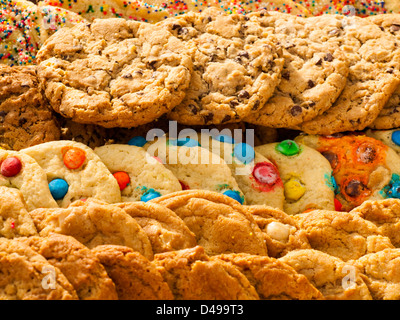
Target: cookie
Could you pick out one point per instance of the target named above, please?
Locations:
(137, 173)
(313, 76)
(22, 32)
(379, 275)
(366, 8)
(305, 187)
(78, 263)
(341, 234)
(236, 66)
(25, 117)
(74, 172)
(388, 118)
(363, 168)
(166, 230)
(385, 214)
(114, 72)
(135, 277)
(14, 217)
(335, 279)
(220, 224)
(372, 77)
(195, 167)
(390, 137)
(93, 223)
(26, 275)
(22, 172)
(282, 233)
(273, 279)
(257, 177)
(192, 275)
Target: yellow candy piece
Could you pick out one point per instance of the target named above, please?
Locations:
(294, 190)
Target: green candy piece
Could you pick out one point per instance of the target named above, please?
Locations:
(288, 148)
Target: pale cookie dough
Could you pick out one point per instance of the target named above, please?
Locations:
(236, 66)
(30, 179)
(341, 234)
(335, 279)
(373, 76)
(79, 167)
(305, 173)
(282, 233)
(14, 216)
(380, 273)
(143, 171)
(27, 275)
(114, 72)
(364, 168)
(313, 76)
(77, 262)
(93, 223)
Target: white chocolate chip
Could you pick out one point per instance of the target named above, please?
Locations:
(278, 231)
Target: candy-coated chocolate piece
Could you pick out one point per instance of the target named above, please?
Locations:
(10, 167)
(244, 152)
(58, 188)
(338, 205)
(122, 178)
(288, 148)
(331, 157)
(234, 195)
(187, 142)
(394, 191)
(224, 138)
(396, 137)
(74, 158)
(150, 194)
(184, 185)
(294, 189)
(137, 141)
(265, 173)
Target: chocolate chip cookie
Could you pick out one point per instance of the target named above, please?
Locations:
(235, 69)
(25, 117)
(114, 72)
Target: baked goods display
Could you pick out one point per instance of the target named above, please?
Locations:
(221, 150)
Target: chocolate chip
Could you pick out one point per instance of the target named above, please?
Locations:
(394, 28)
(366, 154)
(226, 118)
(233, 103)
(193, 109)
(208, 118)
(354, 188)
(22, 121)
(331, 157)
(310, 83)
(244, 54)
(256, 105)
(319, 62)
(328, 57)
(127, 76)
(183, 31)
(152, 64)
(389, 70)
(286, 75)
(244, 94)
(311, 104)
(296, 110)
(176, 26)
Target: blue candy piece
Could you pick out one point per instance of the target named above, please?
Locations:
(394, 191)
(137, 141)
(244, 152)
(58, 188)
(396, 137)
(234, 195)
(224, 138)
(187, 142)
(150, 194)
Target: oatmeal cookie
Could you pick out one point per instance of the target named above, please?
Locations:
(77, 262)
(25, 116)
(236, 67)
(135, 277)
(114, 72)
(335, 279)
(192, 275)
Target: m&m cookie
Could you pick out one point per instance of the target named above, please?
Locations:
(22, 172)
(74, 172)
(305, 173)
(139, 176)
(364, 168)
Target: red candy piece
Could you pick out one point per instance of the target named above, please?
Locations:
(74, 157)
(338, 205)
(10, 167)
(184, 185)
(122, 178)
(265, 173)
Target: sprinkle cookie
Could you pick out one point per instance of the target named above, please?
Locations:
(74, 172)
(306, 187)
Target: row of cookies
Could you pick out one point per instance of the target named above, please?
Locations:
(166, 248)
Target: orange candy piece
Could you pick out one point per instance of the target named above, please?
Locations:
(122, 179)
(74, 157)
